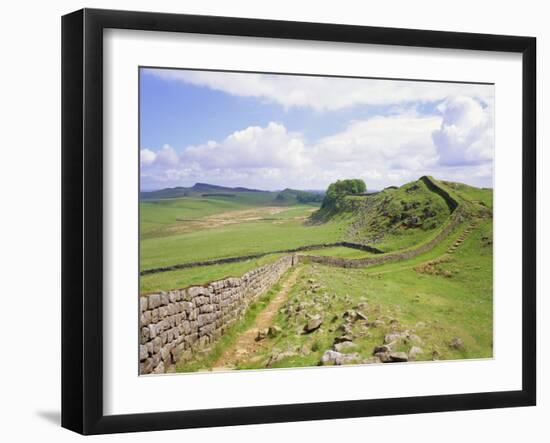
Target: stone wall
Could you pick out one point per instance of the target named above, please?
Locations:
(175, 325)
(456, 218)
(435, 187)
(220, 261)
(457, 215)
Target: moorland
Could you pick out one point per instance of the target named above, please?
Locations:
(429, 298)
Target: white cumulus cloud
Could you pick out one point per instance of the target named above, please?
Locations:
(252, 147)
(147, 157)
(454, 144)
(466, 134)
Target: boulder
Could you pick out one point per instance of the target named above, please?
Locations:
(274, 331)
(262, 334)
(342, 339)
(384, 357)
(345, 328)
(397, 357)
(382, 348)
(331, 357)
(313, 324)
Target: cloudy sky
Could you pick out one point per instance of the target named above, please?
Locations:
(277, 131)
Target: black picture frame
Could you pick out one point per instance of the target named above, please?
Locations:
(82, 219)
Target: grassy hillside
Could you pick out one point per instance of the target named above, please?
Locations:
(395, 218)
(189, 229)
(434, 299)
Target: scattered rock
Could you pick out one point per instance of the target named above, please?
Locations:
(342, 339)
(414, 352)
(345, 328)
(350, 314)
(262, 334)
(274, 331)
(337, 358)
(384, 357)
(344, 346)
(313, 324)
(398, 357)
(456, 343)
(393, 337)
(382, 348)
(360, 316)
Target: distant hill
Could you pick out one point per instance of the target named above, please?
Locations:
(286, 197)
(194, 191)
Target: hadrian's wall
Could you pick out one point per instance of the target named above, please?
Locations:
(456, 218)
(176, 324)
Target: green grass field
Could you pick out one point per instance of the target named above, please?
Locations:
(436, 296)
(436, 308)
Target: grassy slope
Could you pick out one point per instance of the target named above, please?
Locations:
(234, 240)
(181, 278)
(435, 307)
(394, 218)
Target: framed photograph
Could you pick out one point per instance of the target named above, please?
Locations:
(269, 221)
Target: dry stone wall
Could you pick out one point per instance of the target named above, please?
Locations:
(456, 218)
(177, 324)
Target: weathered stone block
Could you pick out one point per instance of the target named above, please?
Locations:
(195, 291)
(174, 296)
(157, 344)
(155, 315)
(206, 309)
(156, 359)
(152, 330)
(146, 367)
(164, 300)
(145, 318)
(163, 312)
(153, 301)
(171, 309)
(145, 335)
(143, 354)
(165, 354)
(159, 369)
(143, 304)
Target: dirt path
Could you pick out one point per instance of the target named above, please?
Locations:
(246, 345)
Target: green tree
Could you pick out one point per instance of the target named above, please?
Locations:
(339, 189)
